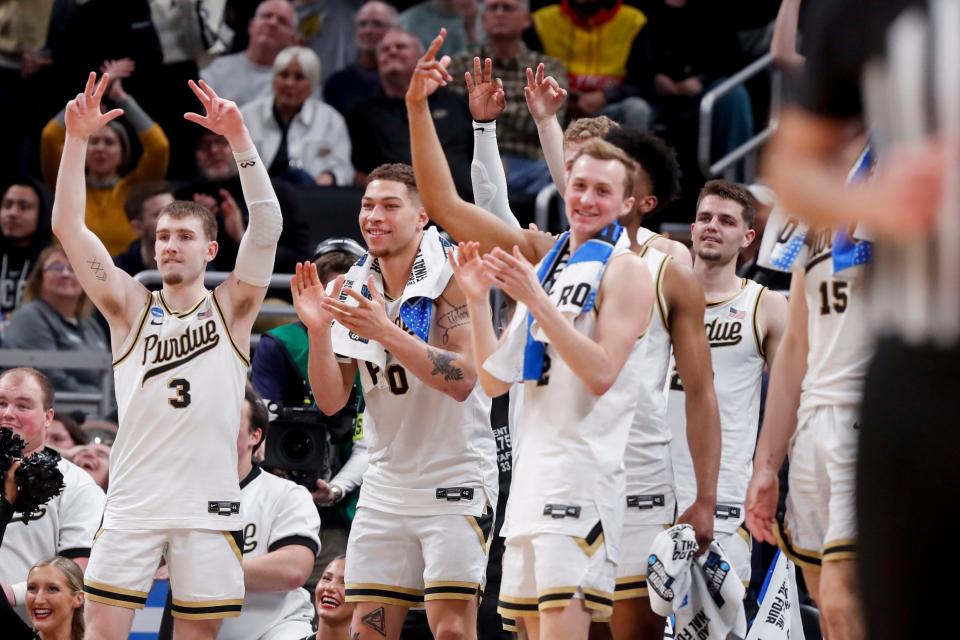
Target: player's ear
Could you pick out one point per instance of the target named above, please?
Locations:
(422, 218)
(748, 237)
(212, 248)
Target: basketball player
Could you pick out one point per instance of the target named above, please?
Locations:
(423, 518)
(744, 325)
(65, 525)
(180, 367)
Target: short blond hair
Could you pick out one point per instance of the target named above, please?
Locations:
(602, 150)
(585, 128)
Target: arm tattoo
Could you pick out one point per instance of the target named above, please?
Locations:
(442, 363)
(376, 620)
(457, 316)
(98, 271)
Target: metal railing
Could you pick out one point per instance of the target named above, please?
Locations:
(746, 152)
(101, 402)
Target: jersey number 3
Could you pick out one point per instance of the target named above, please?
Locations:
(182, 388)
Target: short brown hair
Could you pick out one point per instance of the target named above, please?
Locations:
(140, 193)
(180, 209)
(34, 284)
(396, 172)
(46, 387)
(259, 416)
(602, 150)
(585, 128)
(330, 265)
(732, 191)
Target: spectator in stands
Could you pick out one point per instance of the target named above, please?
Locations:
(67, 524)
(333, 611)
(326, 26)
(56, 316)
(24, 232)
(108, 156)
(219, 182)
(142, 206)
(458, 17)
(599, 42)
(359, 80)
(94, 458)
(64, 433)
(504, 22)
(304, 140)
(54, 603)
(378, 126)
(279, 374)
(243, 76)
(279, 545)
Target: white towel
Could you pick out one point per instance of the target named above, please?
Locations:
(704, 593)
(429, 276)
(779, 615)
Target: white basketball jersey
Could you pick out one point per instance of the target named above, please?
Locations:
(276, 513)
(429, 454)
(645, 239)
(839, 341)
(736, 349)
(568, 476)
(180, 383)
(647, 458)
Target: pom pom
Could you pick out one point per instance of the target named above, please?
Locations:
(38, 481)
(11, 449)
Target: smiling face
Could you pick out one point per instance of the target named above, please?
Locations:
(22, 409)
(19, 213)
(104, 152)
(391, 217)
(59, 279)
(397, 56)
(373, 20)
(50, 600)
(594, 195)
(183, 248)
(719, 231)
(328, 597)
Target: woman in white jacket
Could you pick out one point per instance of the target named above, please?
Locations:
(303, 139)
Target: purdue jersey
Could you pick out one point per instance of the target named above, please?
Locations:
(647, 458)
(276, 513)
(180, 383)
(429, 454)
(568, 474)
(65, 527)
(839, 343)
(736, 349)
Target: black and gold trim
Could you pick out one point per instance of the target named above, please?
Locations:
(451, 591)
(483, 526)
(758, 338)
(509, 624)
(630, 587)
(235, 540)
(139, 330)
(804, 557)
(720, 303)
(658, 293)
(383, 593)
(556, 598)
(290, 541)
(843, 549)
(648, 243)
(180, 314)
(209, 610)
(114, 596)
(593, 541)
(511, 608)
(599, 601)
(226, 329)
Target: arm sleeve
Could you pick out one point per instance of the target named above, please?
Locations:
(269, 369)
(258, 247)
(81, 510)
(295, 521)
(351, 475)
(486, 173)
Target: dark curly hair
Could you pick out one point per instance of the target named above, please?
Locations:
(656, 158)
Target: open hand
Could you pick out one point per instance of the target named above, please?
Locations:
(761, 504)
(83, 115)
(430, 73)
(469, 272)
(485, 94)
(222, 116)
(368, 319)
(544, 95)
(308, 293)
(513, 274)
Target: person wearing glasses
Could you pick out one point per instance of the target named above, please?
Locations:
(57, 316)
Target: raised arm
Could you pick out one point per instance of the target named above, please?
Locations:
(545, 98)
(685, 297)
(243, 292)
(330, 381)
(780, 417)
(119, 297)
(463, 220)
(624, 303)
(783, 45)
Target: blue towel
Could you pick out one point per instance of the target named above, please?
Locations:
(847, 250)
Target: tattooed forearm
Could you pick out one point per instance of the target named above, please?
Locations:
(456, 316)
(443, 365)
(98, 271)
(376, 620)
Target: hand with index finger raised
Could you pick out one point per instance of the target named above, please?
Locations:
(430, 73)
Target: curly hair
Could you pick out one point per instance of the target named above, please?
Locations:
(655, 158)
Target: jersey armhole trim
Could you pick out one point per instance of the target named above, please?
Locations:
(756, 323)
(648, 243)
(78, 552)
(289, 541)
(226, 329)
(136, 334)
(658, 293)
